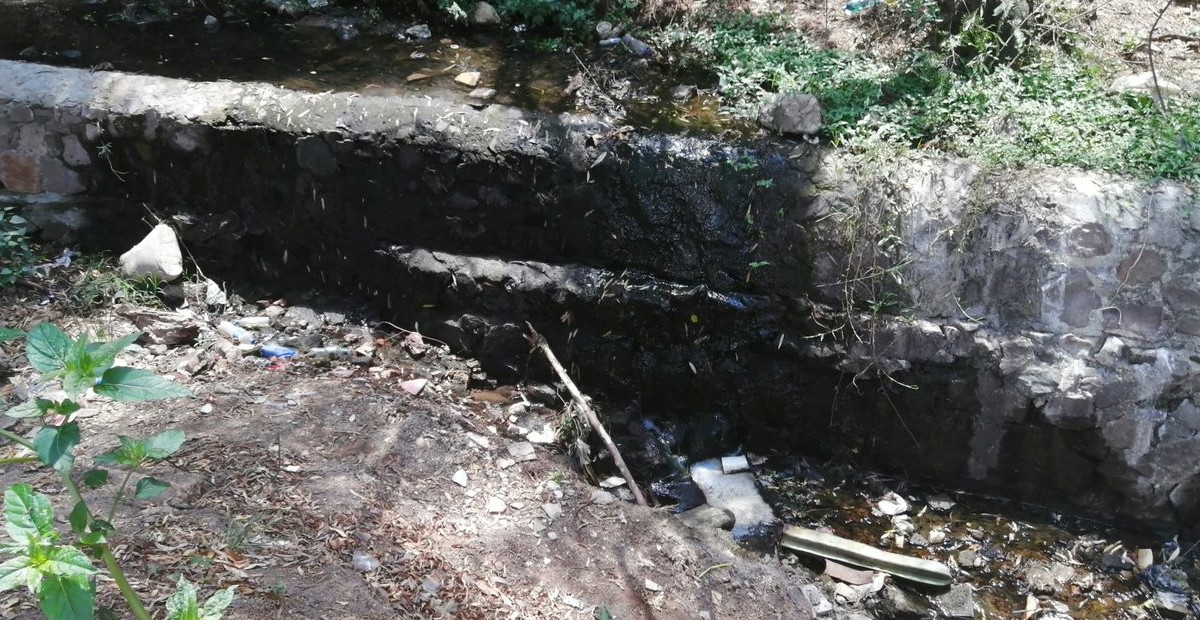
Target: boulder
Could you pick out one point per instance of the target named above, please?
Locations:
(484, 15)
(796, 114)
(156, 256)
(707, 516)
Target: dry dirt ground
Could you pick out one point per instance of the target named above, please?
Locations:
(291, 468)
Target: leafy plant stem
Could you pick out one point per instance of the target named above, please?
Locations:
(17, 439)
(106, 555)
(112, 511)
(17, 460)
(131, 597)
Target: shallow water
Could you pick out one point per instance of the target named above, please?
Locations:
(310, 55)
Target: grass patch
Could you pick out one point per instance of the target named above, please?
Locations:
(101, 285)
(1050, 108)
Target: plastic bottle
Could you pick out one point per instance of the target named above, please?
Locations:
(233, 332)
(327, 353)
(855, 7)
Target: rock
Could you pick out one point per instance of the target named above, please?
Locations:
(414, 386)
(495, 505)
(892, 504)
(1171, 604)
(156, 256)
(483, 94)
(420, 31)
(468, 78)
(602, 497)
(1143, 84)
(484, 15)
(635, 47)
(211, 23)
(794, 114)
(1039, 579)
(684, 93)
(165, 328)
(652, 586)
(707, 516)
(364, 562)
(900, 605)
(940, 503)
(522, 451)
(460, 478)
(821, 606)
(967, 559)
(553, 511)
(958, 603)
(415, 77)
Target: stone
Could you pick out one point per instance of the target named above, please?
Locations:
(156, 256)
(59, 179)
(522, 451)
(419, 31)
(74, 153)
(19, 174)
(1079, 299)
(495, 505)
(483, 94)
(1070, 411)
(313, 154)
(602, 497)
(684, 93)
(484, 14)
(553, 511)
(468, 78)
(821, 606)
(958, 603)
(415, 77)
(900, 605)
(20, 113)
(1040, 580)
(460, 478)
(1089, 240)
(1144, 84)
(794, 114)
(1141, 267)
(706, 516)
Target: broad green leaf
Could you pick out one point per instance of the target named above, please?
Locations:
(27, 409)
(104, 353)
(181, 605)
(8, 333)
(76, 381)
(66, 598)
(79, 518)
(69, 562)
(149, 488)
(47, 348)
(130, 384)
(27, 514)
(53, 445)
(17, 572)
(216, 604)
(91, 539)
(131, 454)
(63, 407)
(163, 444)
(95, 478)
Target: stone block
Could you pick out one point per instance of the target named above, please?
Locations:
(1070, 411)
(1079, 299)
(313, 154)
(19, 174)
(73, 152)
(1089, 240)
(58, 178)
(1141, 267)
(20, 113)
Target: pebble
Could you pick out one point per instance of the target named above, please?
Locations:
(495, 505)
(522, 451)
(603, 497)
(207, 408)
(460, 478)
(469, 78)
(553, 511)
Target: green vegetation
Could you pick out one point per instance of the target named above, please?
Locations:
(15, 255)
(101, 285)
(62, 576)
(1002, 88)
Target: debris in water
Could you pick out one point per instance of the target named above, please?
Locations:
(734, 492)
(891, 504)
(734, 464)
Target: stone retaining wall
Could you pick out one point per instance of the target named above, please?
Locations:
(1048, 319)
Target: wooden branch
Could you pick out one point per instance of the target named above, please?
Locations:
(590, 414)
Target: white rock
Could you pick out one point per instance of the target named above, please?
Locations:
(553, 511)
(155, 256)
(651, 586)
(603, 497)
(469, 78)
(892, 504)
(207, 408)
(479, 440)
(612, 482)
(495, 505)
(460, 478)
(522, 451)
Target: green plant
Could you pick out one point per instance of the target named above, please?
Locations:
(15, 254)
(62, 576)
(101, 285)
(183, 604)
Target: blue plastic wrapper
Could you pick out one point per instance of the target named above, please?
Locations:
(270, 350)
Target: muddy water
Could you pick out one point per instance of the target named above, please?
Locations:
(347, 53)
(1001, 539)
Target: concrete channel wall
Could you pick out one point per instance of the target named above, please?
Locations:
(1028, 332)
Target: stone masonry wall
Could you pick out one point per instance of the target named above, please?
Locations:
(1048, 319)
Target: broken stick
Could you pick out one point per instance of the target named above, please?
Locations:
(592, 419)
